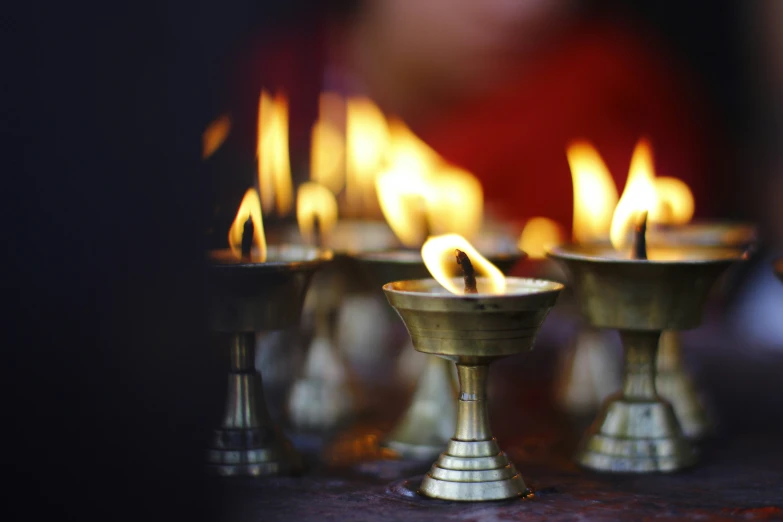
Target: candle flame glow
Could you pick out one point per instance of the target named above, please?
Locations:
(327, 157)
(539, 234)
(675, 202)
(438, 256)
(638, 196)
(314, 201)
(215, 135)
(249, 208)
(367, 137)
(274, 166)
(420, 194)
(595, 195)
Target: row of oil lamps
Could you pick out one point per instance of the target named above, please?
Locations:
(641, 292)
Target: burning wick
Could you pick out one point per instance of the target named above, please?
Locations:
(467, 269)
(639, 238)
(316, 231)
(247, 237)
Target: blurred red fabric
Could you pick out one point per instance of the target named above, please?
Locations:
(601, 83)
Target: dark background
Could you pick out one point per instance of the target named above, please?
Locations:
(112, 384)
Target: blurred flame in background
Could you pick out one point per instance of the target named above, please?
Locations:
(274, 166)
(420, 194)
(438, 253)
(598, 214)
(539, 234)
(595, 195)
(380, 166)
(249, 208)
(367, 137)
(215, 135)
(638, 196)
(675, 202)
(327, 157)
(315, 202)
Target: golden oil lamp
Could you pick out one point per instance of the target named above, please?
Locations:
(595, 201)
(471, 321)
(640, 294)
(427, 424)
(421, 195)
(254, 288)
(637, 430)
(673, 381)
(323, 395)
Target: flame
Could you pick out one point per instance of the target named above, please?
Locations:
(455, 202)
(675, 202)
(327, 158)
(539, 234)
(401, 196)
(274, 167)
(419, 193)
(402, 188)
(250, 207)
(438, 256)
(215, 135)
(315, 201)
(638, 196)
(367, 136)
(407, 152)
(595, 194)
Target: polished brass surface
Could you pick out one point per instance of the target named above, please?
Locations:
(704, 233)
(248, 443)
(250, 296)
(417, 435)
(637, 430)
(676, 386)
(322, 397)
(658, 294)
(588, 371)
(428, 423)
(473, 331)
(245, 298)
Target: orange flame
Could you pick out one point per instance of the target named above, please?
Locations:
(539, 234)
(367, 137)
(438, 256)
(215, 135)
(420, 194)
(638, 196)
(249, 208)
(455, 202)
(595, 195)
(314, 201)
(675, 202)
(327, 158)
(274, 167)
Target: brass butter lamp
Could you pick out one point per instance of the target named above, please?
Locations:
(673, 381)
(663, 289)
(472, 330)
(427, 424)
(252, 290)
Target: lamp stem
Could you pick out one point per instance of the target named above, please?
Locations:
(473, 414)
(245, 407)
(641, 348)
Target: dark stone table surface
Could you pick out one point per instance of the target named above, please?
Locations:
(739, 475)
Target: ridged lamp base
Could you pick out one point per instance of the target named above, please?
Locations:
(636, 437)
(473, 471)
